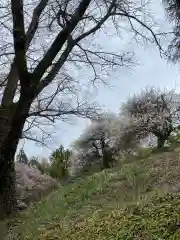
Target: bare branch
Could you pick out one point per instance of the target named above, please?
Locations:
(60, 40)
(99, 24)
(55, 68)
(145, 26)
(35, 21)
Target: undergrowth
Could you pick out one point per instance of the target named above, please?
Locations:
(135, 200)
(157, 220)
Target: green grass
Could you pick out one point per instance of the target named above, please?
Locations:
(157, 220)
(131, 201)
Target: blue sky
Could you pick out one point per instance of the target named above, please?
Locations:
(151, 70)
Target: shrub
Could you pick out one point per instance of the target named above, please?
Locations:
(59, 163)
(144, 152)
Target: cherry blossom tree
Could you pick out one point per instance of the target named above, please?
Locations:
(153, 111)
(95, 144)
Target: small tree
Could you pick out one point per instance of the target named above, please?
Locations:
(41, 164)
(22, 157)
(33, 161)
(59, 163)
(153, 111)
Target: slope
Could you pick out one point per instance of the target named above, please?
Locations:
(137, 200)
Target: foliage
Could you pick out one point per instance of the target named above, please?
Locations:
(35, 162)
(40, 163)
(44, 165)
(59, 161)
(56, 166)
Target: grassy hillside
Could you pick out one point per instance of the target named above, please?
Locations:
(137, 200)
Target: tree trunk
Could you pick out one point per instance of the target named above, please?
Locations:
(107, 159)
(7, 153)
(7, 182)
(163, 136)
(106, 162)
(105, 155)
(161, 141)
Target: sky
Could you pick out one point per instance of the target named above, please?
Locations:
(151, 70)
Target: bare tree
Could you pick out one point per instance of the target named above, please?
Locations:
(153, 111)
(46, 35)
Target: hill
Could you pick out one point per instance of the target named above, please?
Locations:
(137, 200)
